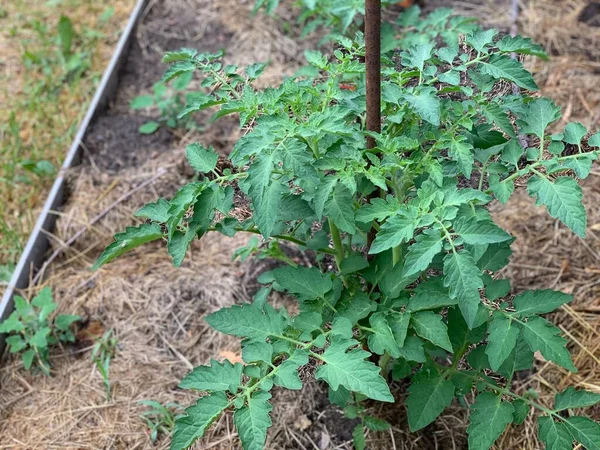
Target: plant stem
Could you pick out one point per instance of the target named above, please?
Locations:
(338, 248)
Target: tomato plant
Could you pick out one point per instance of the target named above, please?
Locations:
(415, 292)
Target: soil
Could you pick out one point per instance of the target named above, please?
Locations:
(157, 311)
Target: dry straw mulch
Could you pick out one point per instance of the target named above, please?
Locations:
(157, 311)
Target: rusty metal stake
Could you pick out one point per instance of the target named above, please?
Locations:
(373, 69)
(373, 66)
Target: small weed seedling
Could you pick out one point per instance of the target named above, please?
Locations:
(404, 224)
(31, 332)
(170, 102)
(102, 353)
(159, 418)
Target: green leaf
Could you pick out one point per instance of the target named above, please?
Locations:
(40, 338)
(426, 104)
(141, 102)
(287, 375)
(555, 435)
(463, 279)
(537, 115)
(417, 55)
(539, 302)
(254, 351)
(351, 370)
(248, 321)
(563, 200)
(430, 294)
(413, 349)
(585, 431)
(430, 326)
(521, 411)
(501, 189)
(340, 210)
(131, 238)
(521, 358)
(12, 324)
(545, 338)
(198, 418)
(421, 253)
(307, 283)
(382, 339)
(488, 420)
(396, 230)
(218, 377)
(574, 133)
(582, 165)
(502, 340)
(499, 66)
(28, 358)
(156, 212)
(494, 113)
(266, 209)
(358, 437)
(177, 69)
(481, 39)
(253, 420)
(316, 58)
(594, 140)
(149, 127)
(461, 151)
(521, 45)
(572, 398)
(378, 209)
(426, 400)
(375, 424)
(480, 232)
(64, 321)
(184, 54)
(201, 159)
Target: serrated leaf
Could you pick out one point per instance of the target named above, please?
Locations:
(358, 437)
(349, 368)
(463, 279)
(554, 434)
(421, 253)
(183, 54)
(582, 165)
(201, 159)
(198, 418)
(340, 210)
(417, 55)
(287, 374)
(572, 398)
(494, 113)
(521, 45)
(545, 338)
(430, 326)
(502, 340)
(253, 420)
(574, 133)
(502, 189)
(480, 232)
(585, 431)
(316, 58)
(308, 283)
(495, 257)
(248, 321)
(396, 230)
(537, 115)
(521, 411)
(64, 321)
(543, 301)
(177, 69)
(481, 39)
(488, 420)
(156, 212)
(382, 339)
(521, 358)
(430, 294)
(461, 151)
(131, 238)
(216, 377)
(503, 67)
(426, 400)
(413, 349)
(254, 351)
(563, 200)
(378, 209)
(426, 104)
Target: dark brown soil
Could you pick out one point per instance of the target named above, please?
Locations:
(590, 14)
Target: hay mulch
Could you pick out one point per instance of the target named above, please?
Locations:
(157, 311)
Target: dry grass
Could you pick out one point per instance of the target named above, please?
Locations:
(157, 311)
(47, 101)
